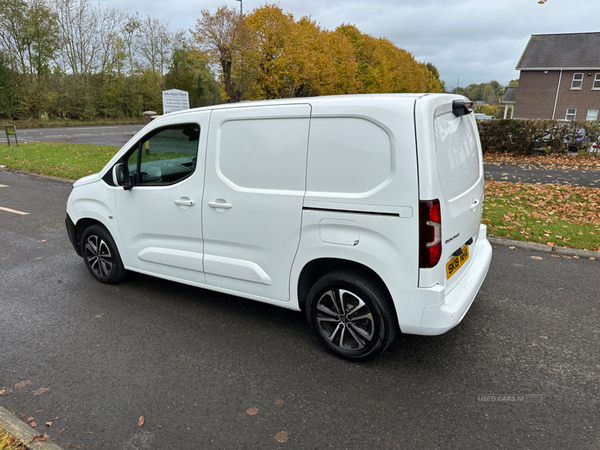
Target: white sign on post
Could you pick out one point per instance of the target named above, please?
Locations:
(175, 100)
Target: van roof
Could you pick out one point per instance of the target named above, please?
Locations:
(331, 99)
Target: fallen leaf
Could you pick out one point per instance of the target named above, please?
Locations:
(61, 430)
(576, 257)
(536, 257)
(2, 391)
(98, 316)
(40, 391)
(40, 438)
(22, 384)
(31, 419)
(279, 402)
(252, 411)
(141, 421)
(43, 240)
(48, 424)
(282, 436)
(513, 248)
(33, 424)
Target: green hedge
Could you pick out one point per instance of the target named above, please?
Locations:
(528, 137)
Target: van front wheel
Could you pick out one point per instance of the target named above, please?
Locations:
(351, 315)
(101, 256)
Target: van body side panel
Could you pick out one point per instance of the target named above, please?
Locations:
(255, 183)
(362, 187)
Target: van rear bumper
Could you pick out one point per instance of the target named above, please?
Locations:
(442, 317)
(433, 311)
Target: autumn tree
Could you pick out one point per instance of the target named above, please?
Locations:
(190, 71)
(220, 36)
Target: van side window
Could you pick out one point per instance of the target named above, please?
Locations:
(166, 156)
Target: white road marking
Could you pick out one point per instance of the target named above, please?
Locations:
(3, 185)
(14, 211)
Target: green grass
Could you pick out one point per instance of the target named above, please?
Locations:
(53, 123)
(65, 160)
(565, 216)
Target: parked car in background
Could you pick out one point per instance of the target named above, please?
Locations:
(481, 116)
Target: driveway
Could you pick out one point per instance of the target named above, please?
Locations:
(207, 370)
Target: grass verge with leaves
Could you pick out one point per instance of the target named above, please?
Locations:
(8, 442)
(64, 160)
(565, 216)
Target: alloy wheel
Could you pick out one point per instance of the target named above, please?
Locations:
(98, 256)
(345, 320)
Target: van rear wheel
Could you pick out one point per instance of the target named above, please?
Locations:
(101, 256)
(351, 315)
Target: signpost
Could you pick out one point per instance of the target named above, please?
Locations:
(175, 100)
(11, 130)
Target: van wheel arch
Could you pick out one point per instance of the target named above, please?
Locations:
(81, 226)
(315, 269)
(100, 254)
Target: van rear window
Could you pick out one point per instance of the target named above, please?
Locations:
(457, 153)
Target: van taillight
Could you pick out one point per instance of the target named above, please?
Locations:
(430, 233)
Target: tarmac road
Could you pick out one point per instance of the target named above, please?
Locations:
(533, 173)
(116, 135)
(520, 371)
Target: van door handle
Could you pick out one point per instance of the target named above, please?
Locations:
(222, 204)
(475, 204)
(184, 201)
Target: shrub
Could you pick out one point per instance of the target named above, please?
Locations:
(525, 136)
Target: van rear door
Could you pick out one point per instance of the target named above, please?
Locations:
(451, 172)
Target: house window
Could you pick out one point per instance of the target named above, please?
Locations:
(577, 81)
(592, 114)
(570, 113)
(596, 84)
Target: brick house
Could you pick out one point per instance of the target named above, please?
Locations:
(560, 77)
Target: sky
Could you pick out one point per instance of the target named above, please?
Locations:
(469, 41)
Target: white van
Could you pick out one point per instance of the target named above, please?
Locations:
(363, 210)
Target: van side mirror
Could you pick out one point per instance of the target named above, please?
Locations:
(462, 108)
(121, 177)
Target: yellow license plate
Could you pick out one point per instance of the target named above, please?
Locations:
(456, 262)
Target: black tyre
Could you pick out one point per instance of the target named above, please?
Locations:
(101, 256)
(351, 315)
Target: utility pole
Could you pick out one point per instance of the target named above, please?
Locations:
(242, 56)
